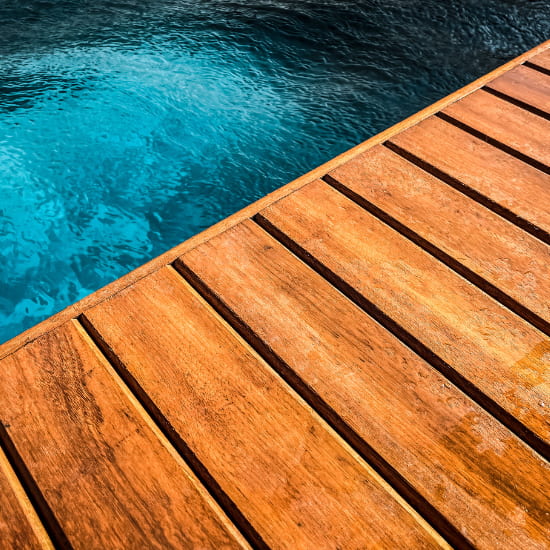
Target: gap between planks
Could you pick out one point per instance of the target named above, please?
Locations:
(43, 512)
(471, 193)
(441, 530)
(465, 272)
(494, 142)
(517, 102)
(467, 387)
(39, 528)
(97, 297)
(306, 394)
(539, 68)
(207, 486)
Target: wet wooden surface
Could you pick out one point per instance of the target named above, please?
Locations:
(360, 361)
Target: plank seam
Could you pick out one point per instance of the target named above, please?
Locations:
(516, 102)
(176, 441)
(536, 67)
(26, 506)
(467, 387)
(72, 311)
(495, 143)
(392, 476)
(471, 193)
(500, 296)
(44, 512)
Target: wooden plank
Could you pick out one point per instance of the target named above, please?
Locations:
(458, 457)
(247, 212)
(288, 474)
(507, 182)
(107, 476)
(513, 127)
(20, 527)
(442, 219)
(541, 60)
(500, 354)
(526, 85)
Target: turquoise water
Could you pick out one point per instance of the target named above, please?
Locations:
(126, 126)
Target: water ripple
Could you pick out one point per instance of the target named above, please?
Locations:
(126, 127)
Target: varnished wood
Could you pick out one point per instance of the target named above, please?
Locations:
(502, 181)
(445, 446)
(497, 351)
(169, 256)
(381, 384)
(511, 126)
(529, 87)
(291, 478)
(20, 527)
(104, 472)
(444, 220)
(541, 60)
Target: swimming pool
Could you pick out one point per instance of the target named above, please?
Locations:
(126, 126)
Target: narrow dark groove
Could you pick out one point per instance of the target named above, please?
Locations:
(488, 203)
(472, 391)
(495, 143)
(202, 473)
(43, 510)
(517, 102)
(532, 65)
(442, 256)
(437, 520)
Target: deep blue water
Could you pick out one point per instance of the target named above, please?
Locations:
(128, 126)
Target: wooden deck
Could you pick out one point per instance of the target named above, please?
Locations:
(359, 360)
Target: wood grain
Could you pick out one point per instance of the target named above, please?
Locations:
(469, 234)
(20, 527)
(462, 461)
(293, 480)
(247, 212)
(510, 125)
(499, 178)
(107, 477)
(541, 60)
(528, 86)
(484, 342)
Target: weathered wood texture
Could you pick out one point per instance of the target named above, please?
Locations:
(270, 453)
(509, 125)
(450, 450)
(528, 86)
(107, 477)
(358, 361)
(498, 180)
(462, 231)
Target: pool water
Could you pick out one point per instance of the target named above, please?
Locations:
(127, 126)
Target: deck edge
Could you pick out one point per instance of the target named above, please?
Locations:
(169, 256)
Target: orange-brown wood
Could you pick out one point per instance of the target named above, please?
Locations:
(466, 232)
(20, 527)
(503, 180)
(484, 342)
(526, 85)
(169, 256)
(293, 480)
(200, 443)
(541, 60)
(100, 466)
(459, 458)
(508, 124)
